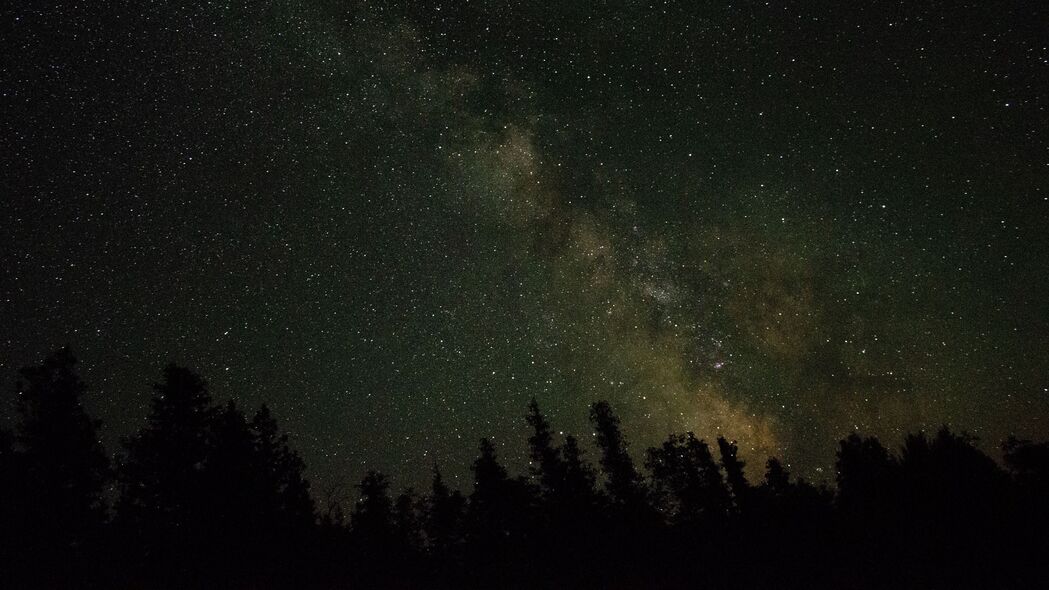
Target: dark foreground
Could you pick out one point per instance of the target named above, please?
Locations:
(206, 497)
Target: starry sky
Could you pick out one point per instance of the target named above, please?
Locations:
(396, 222)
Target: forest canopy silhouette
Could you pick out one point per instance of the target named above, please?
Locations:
(207, 495)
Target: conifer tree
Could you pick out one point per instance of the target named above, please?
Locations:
(737, 481)
(62, 463)
(623, 483)
(547, 465)
(686, 476)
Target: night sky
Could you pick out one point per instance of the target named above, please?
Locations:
(396, 222)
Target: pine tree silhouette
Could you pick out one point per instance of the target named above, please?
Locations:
(207, 495)
(687, 479)
(499, 514)
(737, 481)
(407, 525)
(444, 518)
(547, 465)
(777, 479)
(162, 488)
(372, 516)
(623, 483)
(490, 500)
(209, 498)
(579, 479)
(867, 474)
(1028, 461)
(62, 469)
(283, 468)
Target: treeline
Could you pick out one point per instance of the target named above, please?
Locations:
(205, 497)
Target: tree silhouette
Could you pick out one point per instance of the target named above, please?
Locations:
(14, 521)
(1028, 462)
(948, 506)
(282, 470)
(628, 527)
(372, 516)
(443, 521)
(579, 479)
(567, 516)
(208, 495)
(547, 465)
(232, 500)
(161, 479)
(62, 469)
(777, 479)
(622, 481)
(492, 501)
(209, 498)
(382, 555)
(407, 525)
(866, 474)
(1028, 541)
(332, 515)
(499, 511)
(9, 472)
(737, 481)
(687, 479)
(160, 475)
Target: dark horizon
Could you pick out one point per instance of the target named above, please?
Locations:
(755, 464)
(212, 495)
(459, 476)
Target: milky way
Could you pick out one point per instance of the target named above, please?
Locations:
(779, 222)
